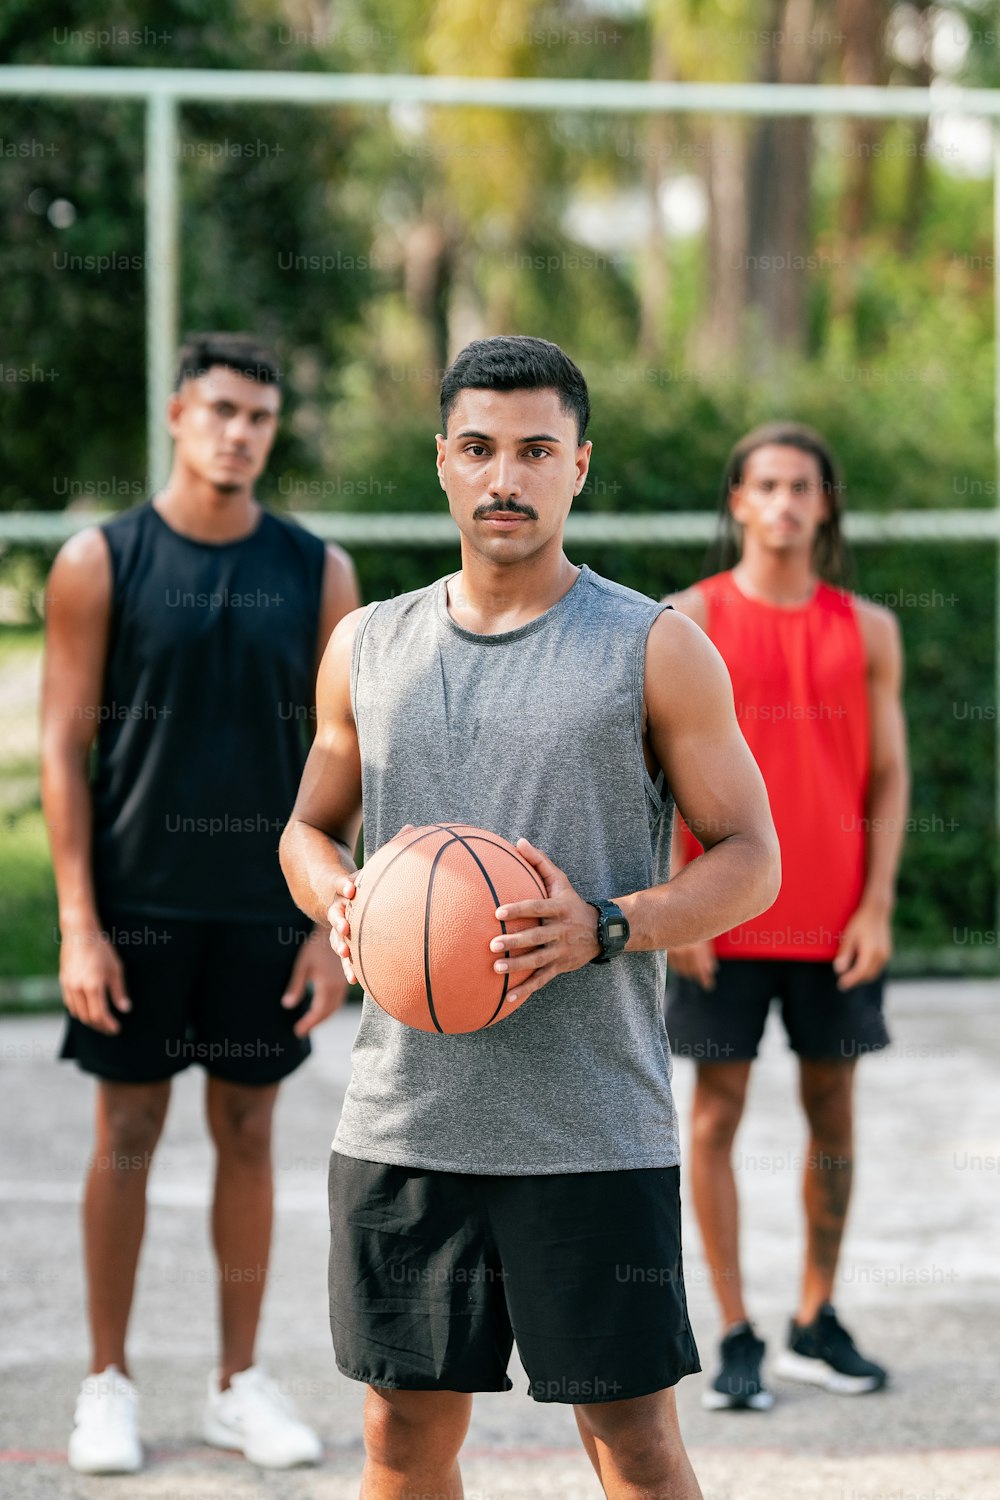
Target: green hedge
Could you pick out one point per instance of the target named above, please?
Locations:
(660, 445)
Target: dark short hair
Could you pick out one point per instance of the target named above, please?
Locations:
(515, 362)
(242, 352)
(830, 556)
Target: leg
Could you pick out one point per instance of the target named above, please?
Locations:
(719, 1097)
(412, 1442)
(589, 1441)
(827, 1091)
(239, 1118)
(129, 1119)
(640, 1451)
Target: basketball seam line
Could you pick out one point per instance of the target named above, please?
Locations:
(496, 902)
(504, 848)
(427, 929)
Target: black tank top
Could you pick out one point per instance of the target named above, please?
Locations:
(206, 717)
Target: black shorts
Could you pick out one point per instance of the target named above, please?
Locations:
(726, 1024)
(206, 992)
(433, 1275)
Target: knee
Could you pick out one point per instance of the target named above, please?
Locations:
(241, 1130)
(715, 1121)
(130, 1127)
(404, 1429)
(641, 1446)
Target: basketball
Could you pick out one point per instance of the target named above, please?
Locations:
(422, 921)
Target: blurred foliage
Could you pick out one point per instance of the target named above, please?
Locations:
(28, 908)
(370, 244)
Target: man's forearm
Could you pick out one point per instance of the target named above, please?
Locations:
(314, 864)
(734, 880)
(887, 807)
(66, 802)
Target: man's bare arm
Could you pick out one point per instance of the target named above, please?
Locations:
(317, 844)
(694, 734)
(695, 961)
(889, 779)
(340, 596)
(77, 619)
(690, 602)
(866, 945)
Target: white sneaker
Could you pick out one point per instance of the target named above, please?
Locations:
(105, 1436)
(255, 1416)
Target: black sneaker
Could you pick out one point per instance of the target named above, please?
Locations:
(823, 1353)
(739, 1383)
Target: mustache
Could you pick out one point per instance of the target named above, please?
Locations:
(505, 507)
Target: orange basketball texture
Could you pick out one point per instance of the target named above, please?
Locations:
(422, 921)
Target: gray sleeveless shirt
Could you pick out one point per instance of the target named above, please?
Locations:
(536, 732)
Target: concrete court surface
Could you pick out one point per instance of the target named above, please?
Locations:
(920, 1287)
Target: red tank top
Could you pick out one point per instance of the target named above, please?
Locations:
(800, 681)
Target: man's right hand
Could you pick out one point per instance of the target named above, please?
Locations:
(89, 972)
(695, 961)
(340, 927)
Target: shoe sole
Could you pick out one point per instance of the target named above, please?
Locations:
(124, 1466)
(219, 1436)
(713, 1400)
(791, 1366)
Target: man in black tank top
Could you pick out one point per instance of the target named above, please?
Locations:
(182, 643)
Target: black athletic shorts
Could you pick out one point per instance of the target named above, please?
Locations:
(726, 1024)
(204, 992)
(434, 1275)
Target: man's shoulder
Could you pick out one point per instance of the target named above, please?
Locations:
(292, 530)
(398, 611)
(124, 522)
(402, 604)
(881, 636)
(705, 593)
(873, 619)
(618, 598)
(870, 610)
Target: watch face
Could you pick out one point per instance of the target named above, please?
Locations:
(612, 931)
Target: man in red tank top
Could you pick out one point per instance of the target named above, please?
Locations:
(816, 676)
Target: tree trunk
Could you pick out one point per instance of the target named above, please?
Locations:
(916, 188)
(655, 278)
(779, 179)
(426, 274)
(719, 338)
(861, 25)
(778, 232)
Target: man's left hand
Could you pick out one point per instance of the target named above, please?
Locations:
(318, 965)
(563, 938)
(865, 947)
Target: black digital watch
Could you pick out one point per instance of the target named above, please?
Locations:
(612, 930)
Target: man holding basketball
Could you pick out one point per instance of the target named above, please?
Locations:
(521, 1182)
(816, 673)
(183, 638)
